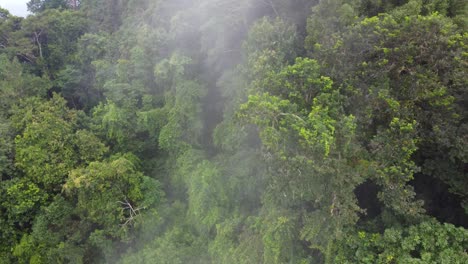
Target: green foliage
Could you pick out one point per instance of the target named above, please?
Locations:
(37, 6)
(205, 205)
(17, 84)
(222, 131)
(276, 36)
(25, 196)
(323, 140)
(101, 205)
(111, 193)
(396, 166)
(44, 245)
(428, 242)
(116, 121)
(54, 34)
(6, 148)
(51, 143)
(177, 246)
(104, 15)
(278, 238)
(237, 241)
(328, 18)
(395, 77)
(269, 46)
(13, 42)
(183, 124)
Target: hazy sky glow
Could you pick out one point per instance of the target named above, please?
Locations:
(16, 7)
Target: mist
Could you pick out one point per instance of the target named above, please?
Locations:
(221, 131)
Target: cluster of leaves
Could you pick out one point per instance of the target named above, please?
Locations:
(222, 131)
(427, 242)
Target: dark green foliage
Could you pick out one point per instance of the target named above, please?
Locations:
(55, 34)
(427, 242)
(36, 6)
(222, 131)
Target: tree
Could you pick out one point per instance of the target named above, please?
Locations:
(310, 155)
(17, 84)
(426, 242)
(112, 194)
(37, 6)
(13, 43)
(402, 67)
(278, 131)
(101, 205)
(55, 34)
(51, 142)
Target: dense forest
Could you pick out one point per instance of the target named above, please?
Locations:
(234, 131)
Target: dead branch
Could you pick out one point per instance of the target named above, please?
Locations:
(132, 212)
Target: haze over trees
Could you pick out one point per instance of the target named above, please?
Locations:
(222, 131)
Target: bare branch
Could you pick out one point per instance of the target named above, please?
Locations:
(132, 212)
